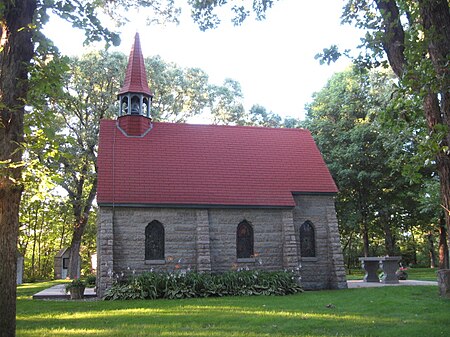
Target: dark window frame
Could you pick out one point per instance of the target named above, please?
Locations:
(65, 262)
(154, 241)
(307, 234)
(244, 240)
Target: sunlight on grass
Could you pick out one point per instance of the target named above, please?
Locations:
(64, 332)
(208, 333)
(99, 314)
(385, 312)
(199, 311)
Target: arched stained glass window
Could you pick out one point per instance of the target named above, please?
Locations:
(154, 241)
(307, 240)
(244, 240)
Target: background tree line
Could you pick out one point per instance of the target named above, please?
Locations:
(58, 205)
(389, 193)
(388, 200)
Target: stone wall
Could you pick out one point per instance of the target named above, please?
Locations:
(180, 226)
(267, 231)
(326, 269)
(205, 240)
(105, 241)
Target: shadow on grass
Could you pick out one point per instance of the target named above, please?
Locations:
(390, 311)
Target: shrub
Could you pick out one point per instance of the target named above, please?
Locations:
(401, 273)
(76, 283)
(192, 284)
(90, 280)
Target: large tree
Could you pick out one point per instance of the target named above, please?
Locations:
(414, 36)
(90, 89)
(376, 200)
(16, 18)
(20, 23)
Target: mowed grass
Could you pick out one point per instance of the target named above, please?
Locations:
(386, 311)
(421, 274)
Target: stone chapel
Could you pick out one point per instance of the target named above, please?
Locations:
(211, 198)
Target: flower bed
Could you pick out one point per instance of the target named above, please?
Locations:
(192, 284)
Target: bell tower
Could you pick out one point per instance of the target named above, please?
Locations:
(135, 97)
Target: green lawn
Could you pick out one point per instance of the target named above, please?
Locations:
(388, 311)
(423, 274)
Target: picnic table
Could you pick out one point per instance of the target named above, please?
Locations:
(388, 264)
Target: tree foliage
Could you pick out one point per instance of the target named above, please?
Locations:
(179, 93)
(377, 203)
(413, 38)
(205, 13)
(228, 107)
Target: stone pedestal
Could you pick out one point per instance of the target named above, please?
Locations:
(389, 265)
(370, 266)
(443, 278)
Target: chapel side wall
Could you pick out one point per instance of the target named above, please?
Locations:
(105, 258)
(180, 226)
(267, 231)
(325, 270)
(204, 240)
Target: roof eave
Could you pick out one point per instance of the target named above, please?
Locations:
(329, 193)
(193, 206)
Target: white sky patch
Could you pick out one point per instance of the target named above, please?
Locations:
(273, 60)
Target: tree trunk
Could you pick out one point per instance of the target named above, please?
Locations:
(436, 117)
(81, 222)
(33, 254)
(431, 250)
(9, 219)
(347, 251)
(389, 241)
(41, 229)
(436, 21)
(413, 238)
(365, 240)
(74, 260)
(16, 52)
(443, 246)
(63, 232)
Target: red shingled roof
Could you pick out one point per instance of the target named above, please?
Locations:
(183, 164)
(136, 77)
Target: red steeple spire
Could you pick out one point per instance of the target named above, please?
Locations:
(136, 77)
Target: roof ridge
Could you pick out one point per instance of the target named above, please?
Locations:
(253, 127)
(237, 126)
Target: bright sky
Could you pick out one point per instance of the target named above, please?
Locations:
(272, 59)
